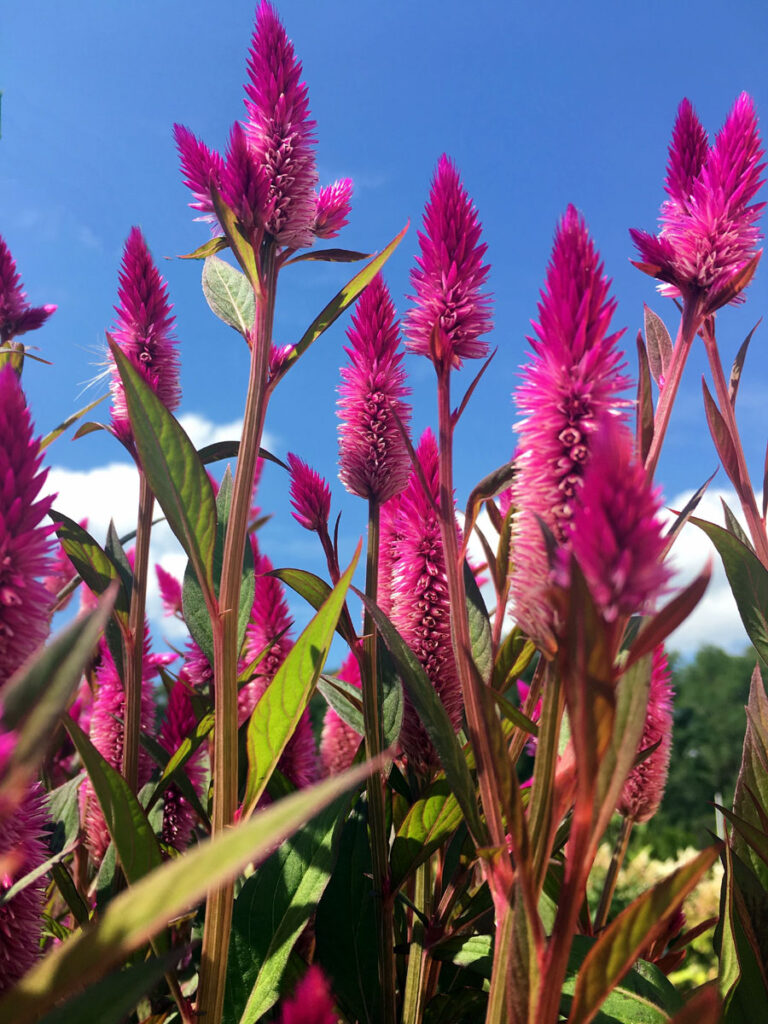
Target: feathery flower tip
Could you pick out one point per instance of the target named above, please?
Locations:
(16, 315)
(170, 591)
(451, 312)
(310, 495)
(373, 456)
(202, 168)
(332, 208)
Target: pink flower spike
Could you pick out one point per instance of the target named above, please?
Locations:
(332, 208)
(310, 495)
(280, 133)
(644, 789)
(203, 169)
(16, 315)
(709, 226)
(178, 816)
(373, 457)
(170, 591)
(451, 312)
(25, 549)
(311, 1003)
(143, 330)
(339, 742)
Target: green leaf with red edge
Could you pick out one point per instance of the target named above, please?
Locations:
(748, 579)
(738, 366)
(702, 1008)
(681, 518)
(721, 435)
(644, 428)
(741, 939)
(620, 944)
(280, 707)
(733, 525)
(659, 345)
(138, 913)
(329, 256)
(428, 824)
(751, 797)
(209, 248)
(67, 423)
(173, 468)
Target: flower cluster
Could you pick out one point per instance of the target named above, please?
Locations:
(16, 315)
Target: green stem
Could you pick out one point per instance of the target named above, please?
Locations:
(415, 983)
(498, 1011)
(133, 645)
(373, 746)
(609, 886)
(218, 915)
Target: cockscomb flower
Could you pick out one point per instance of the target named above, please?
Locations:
(203, 170)
(644, 788)
(25, 549)
(373, 456)
(310, 495)
(170, 592)
(616, 534)
(21, 919)
(143, 330)
(389, 553)
(420, 605)
(311, 1003)
(709, 225)
(16, 315)
(570, 390)
(332, 206)
(178, 815)
(452, 312)
(339, 742)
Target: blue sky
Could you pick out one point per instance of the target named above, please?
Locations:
(539, 104)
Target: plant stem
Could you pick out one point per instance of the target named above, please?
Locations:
(133, 647)
(415, 984)
(609, 886)
(218, 916)
(373, 746)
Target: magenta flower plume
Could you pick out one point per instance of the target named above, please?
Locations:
(178, 815)
(615, 533)
(16, 315)
(452, 313)
(644, 788)
(709, 225)
(310, 495)
(390, 535)
(332, 206)
(311, 1003)
(280, 133)
(339, 741)
(24, 541)
(21, 918)
(570, 390)
(420, 606)
(143, 330)
(170, 591)
(373, 457)
(203, 170)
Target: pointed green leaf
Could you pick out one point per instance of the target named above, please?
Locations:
(391, 701)
(209, 248)
(229, 294)
(345, 699)
(480, 633)
(236, 238)
(721, 435)
(491, 485)
(93, 564)
(329, 256)
(428, 824)
(733, 525)
(644, 426)
(753, 776)
(173, 468)
(229, 450)
(315, 591)
(738, 365)
(67, 423)
(659, 345)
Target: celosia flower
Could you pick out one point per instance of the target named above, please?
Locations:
(311, 1003)
(339, 741)
(22, 849)
(570, 391)
(451, 312)
(310, 495)
(389, 553)
(615, 533)
(332, 208)
(24, 546)
(373, 456)
(203, 170)
(420, 605)
(16, 315)
(709, 226)
(269, 630)
(170, 592)
(644, 788)
(178, 816)
(143, 330)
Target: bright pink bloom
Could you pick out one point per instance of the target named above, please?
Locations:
(21, 918)
(332, 208)
(310, 495)
(339, 741)
(143, 330)
(373, 455)
(16, 315)
(203, 170)
(451, 312)
(311, 1003)
(616, 534)
(170, 591)
(178, 816)
(644, 788)
(570, 391)
(420, 605)
(390, 535)
(709, 227)
(24, 546)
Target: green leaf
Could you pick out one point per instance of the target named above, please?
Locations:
(229, 294)
(58, 431)
(748, 579)
(329, 256)
(93, 564)
(315, 591)
(229, 450)
(433, 716)
(753, 776)
(738, 366)
(280, 707)
(391, 701)
(644, 424)
(480, 633)
(620, 944)
(426, 826)
(473, 953)
(721, 435)
(491, 485)
(514, 656)
(116, 553)
(733, 525)
(209, 248)
(64, 813)
(237, 238)
(173, 468)
(659, 345)
(345, 699)
(138, 913)
(342, 300)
